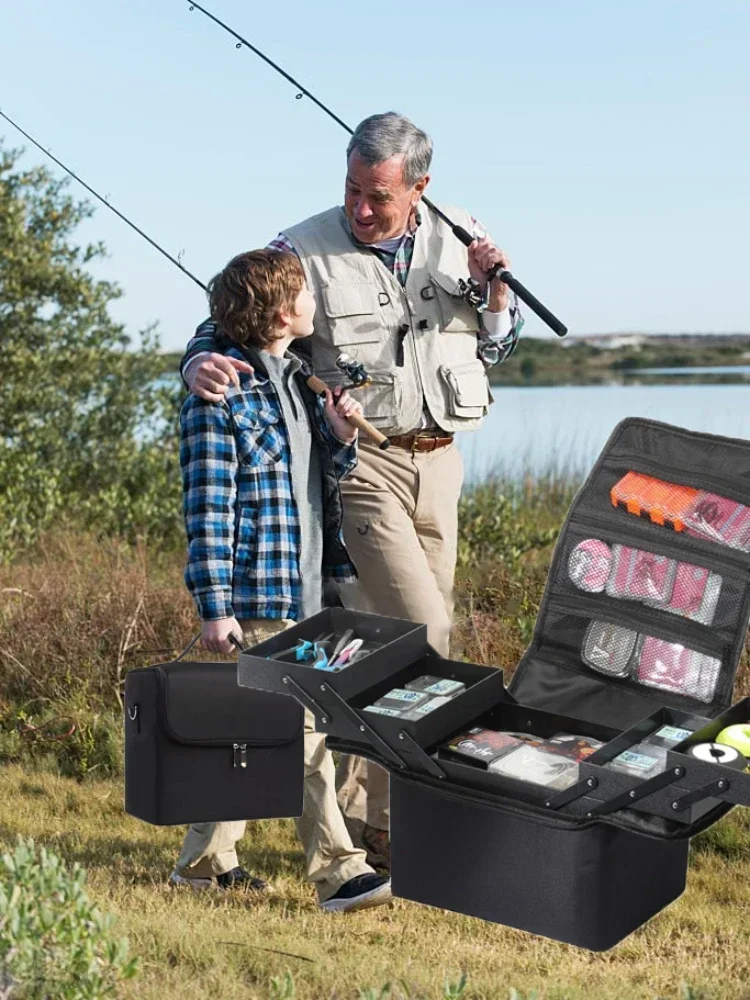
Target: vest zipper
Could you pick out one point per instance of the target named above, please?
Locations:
(413, 344)
(135, 719)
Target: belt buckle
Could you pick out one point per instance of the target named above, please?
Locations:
(431, 438)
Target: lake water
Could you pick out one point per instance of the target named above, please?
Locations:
(544, 428)
(564, 427)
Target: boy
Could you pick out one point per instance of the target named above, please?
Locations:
(263, 515)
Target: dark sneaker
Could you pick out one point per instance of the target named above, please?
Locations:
(237, 878)
(359, 893)
(377, 843)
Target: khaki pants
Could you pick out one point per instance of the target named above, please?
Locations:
(401, 530)
(330, 857)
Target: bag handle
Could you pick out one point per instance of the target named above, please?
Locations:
(232, 638)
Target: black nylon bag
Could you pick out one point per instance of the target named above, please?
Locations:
(588, 885)
(199, 748)
(476, 843)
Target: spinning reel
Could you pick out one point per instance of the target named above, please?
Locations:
(354, 370)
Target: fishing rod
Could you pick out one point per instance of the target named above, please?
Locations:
(458, 231)
(356, 372)
(119, 214)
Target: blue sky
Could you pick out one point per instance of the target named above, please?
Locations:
(605, 145)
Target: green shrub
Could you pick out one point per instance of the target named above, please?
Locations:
(87, 433)
(53, 941)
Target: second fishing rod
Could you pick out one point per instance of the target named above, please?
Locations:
(356, 373)
(546, 315)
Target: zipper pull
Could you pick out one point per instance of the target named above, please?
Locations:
(239, 756)
(134, 718)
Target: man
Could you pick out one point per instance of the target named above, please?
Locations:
(389, 278)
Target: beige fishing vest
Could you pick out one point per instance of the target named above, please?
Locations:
(418, 343)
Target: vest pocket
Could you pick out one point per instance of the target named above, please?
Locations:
(456, 315)
(468, 389)
(381, 401)
(353, 312)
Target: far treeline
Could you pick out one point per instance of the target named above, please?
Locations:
(617, 357)
(611, 357)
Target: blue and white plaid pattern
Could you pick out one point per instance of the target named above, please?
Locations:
(240, 515)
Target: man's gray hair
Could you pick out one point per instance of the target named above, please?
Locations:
(380, 137)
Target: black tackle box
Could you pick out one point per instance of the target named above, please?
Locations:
(200, 749)
(641, 627)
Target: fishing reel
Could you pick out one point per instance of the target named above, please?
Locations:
(354, 370)
(471, 292)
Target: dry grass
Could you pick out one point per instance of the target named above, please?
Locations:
(77, 612)
(229, 945)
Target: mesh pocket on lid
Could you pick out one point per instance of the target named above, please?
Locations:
(699, 513)
(634, 574)
(656, 663)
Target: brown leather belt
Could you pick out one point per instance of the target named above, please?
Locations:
(421, 442)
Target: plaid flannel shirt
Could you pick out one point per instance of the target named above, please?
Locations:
(240, 515)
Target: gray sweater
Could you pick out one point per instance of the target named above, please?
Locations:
(307, 479)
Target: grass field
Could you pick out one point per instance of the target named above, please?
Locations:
(77, 613)
(233, 945)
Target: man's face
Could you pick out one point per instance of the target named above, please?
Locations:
(376, 201)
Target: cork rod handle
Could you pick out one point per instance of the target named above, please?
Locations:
(319, 387)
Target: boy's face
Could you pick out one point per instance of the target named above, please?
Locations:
(301, 322)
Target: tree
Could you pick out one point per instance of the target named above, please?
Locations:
(85, 434)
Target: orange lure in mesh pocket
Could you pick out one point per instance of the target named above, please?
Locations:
(663, 503)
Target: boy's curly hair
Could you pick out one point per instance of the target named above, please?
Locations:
(246, 297)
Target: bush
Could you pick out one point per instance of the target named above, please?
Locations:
(53, 941)
(87, 435)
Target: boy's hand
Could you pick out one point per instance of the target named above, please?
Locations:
(338, 406)
(215, 634)
(210, 375)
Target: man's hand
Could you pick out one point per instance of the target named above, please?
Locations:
(211, 375)
(483, 255)
(337, 409)
(215, 634)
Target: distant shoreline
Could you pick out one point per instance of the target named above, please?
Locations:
(609, 358)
